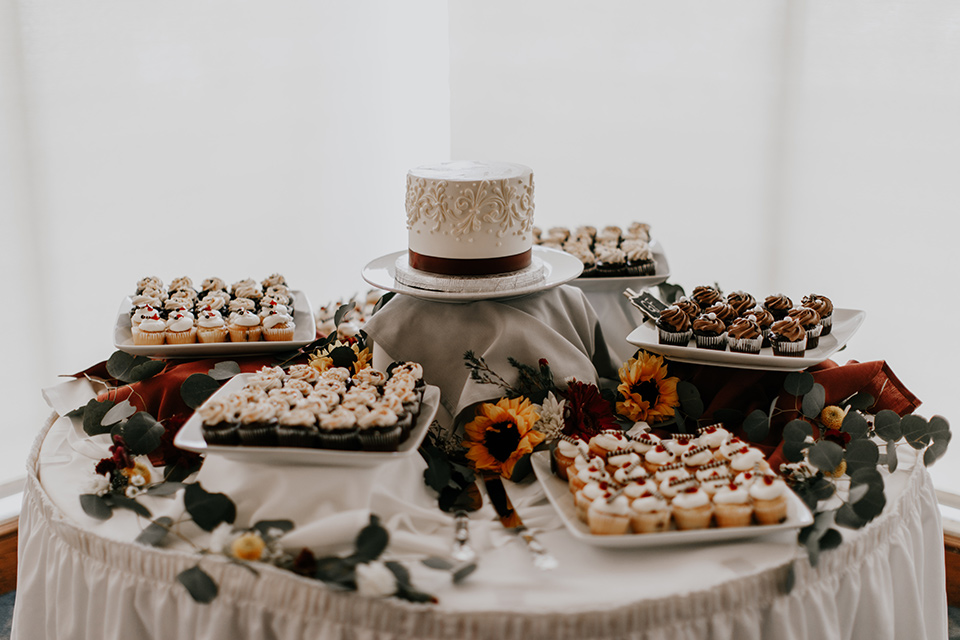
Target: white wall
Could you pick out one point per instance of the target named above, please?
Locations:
(774, 146)
(208, 138)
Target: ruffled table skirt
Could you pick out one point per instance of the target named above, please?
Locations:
(886, 581)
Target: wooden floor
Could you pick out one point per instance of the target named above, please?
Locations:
(8, 556)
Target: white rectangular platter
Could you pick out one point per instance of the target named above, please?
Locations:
(845, 324)
(619, 284)
(558, 493)
(190, 437)
(304, 333)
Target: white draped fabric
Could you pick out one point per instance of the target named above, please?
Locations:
(80, 578)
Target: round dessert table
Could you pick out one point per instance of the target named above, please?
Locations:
(81, 578)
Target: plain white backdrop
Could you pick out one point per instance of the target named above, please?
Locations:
(792, 145)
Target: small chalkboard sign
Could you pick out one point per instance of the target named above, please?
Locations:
(649, 306)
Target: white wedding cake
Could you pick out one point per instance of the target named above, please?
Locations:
(470, 218)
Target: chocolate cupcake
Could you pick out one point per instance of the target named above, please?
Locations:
(778, 305)
(745, 336)
(639, 258)
(689, 307)
(338, 429)
(788, 338)
(583, 253)
(297, 428)
(765, 319)
(724, 311)
(824, 306)
(258, 424)
(378, 430)
(674, 327)
(810, 321)
(710, 332)
(741, 301)
(219, 425)
(705, 296)
(611, 261)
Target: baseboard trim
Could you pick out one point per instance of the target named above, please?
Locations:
(8, 555)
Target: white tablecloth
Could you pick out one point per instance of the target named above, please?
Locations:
(80, 578)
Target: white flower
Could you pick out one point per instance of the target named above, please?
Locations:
(375, 580)
(97, 485)
(222, 538)
(132, 491)
(551, 417)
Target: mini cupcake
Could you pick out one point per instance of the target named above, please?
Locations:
(249, 290)
(621, 458)
(715, 481)
(692, 509)
(594, 471)
(823, 306)
(650, 514)
(745, 335)
(609, 515)
(657, 457)
(586, 257)
(237, 305)
(611, 261)
(180, 329)
(219, 425)
(706, 295)
(378, 430)
(671, 471)
(278, 326)
(606, 441)
(244, 326)
(150, 331)
(809, 319)
(689, 307)
(609, 235)
(258, 424)
(670, 487)
(272, 280)
(214, 302)
(788, 338)
(152, 282)
(639, 258)
(565, 452)
(697, 457)
(213, 284)
(723, 311)
(644, 442)
(741, 301)
(731, 506)
(637, 231)
(712, 469)
(211, 327)
(712, 435)
(710, 332)
(630, 474)
(297, 428)
(778, 305)
(769, 495)
(338, 429)
(674, 327)
(765, 319)
(583, 498)
(747, 459)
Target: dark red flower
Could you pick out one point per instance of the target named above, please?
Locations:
(586, 413)
(105, 466)
(120, 454)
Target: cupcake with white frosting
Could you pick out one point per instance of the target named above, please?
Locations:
(650, 513)
(769, 494)
(692, 508)
(731, 506)
(211, 327)
(244, 327)
(609, 515)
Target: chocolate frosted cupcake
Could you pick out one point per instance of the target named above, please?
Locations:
(824, 306)
(765, 319)
(710, 332)
(810, 321)
(788, 338)
(778, 305)
(674, 327)
(745, 336)
(689, 307)
(705, 296)
(741, 301)
(724, 311)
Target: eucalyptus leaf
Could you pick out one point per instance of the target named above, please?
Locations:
(265, 527)
(119, 365)
(790, 580)
(127, 368)
(341, 312)
(460, 574)
(117, 413)
(831, 539)
(145, 368)
(822, 488)
(95, 506)
(870, 505)
(400, 572)
(915, 430)
(858, 492)
(182, 469)
(670, 292)
(793, 450)
(887, 425)
(208, 509)
(164, 489)
(937, 427)
(798, 383)
(77, 413)
(437, 473)
(797, 430)
(825, 455)
(436, 562)
(860, 401)
(522, 469)
(813, 401)
(384, 299)
(855, 424)
(156, 532)
(934, 452)
(756, 426)
(690, 401)
(812, 544)
(847, 517)
(197, 388)
(371, 541)
(123, 502)
(413, 595)
(224, 370)
(337, 571)
(142, 433)
(892, 460)
(199, 585)
(867, 475)
(861, 454)
(93, 415)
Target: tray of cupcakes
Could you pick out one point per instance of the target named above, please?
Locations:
(736, 330)
(612, 257)
(180, 320)
(621, 491)
(302, 416)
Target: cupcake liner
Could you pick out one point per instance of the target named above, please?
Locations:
(215, 334)
(182, 337)
(378, 439)
(288, 436)
(717, 343)
(733, 515)
(770, 511)
(152, 338)
(645, 267)
(223, 433)
(258, 435)
(650, 521)
(606, 524)
(787, 348)
(813, 336)
(827, 323)
(692, 518)
(745, 345)
(346, 439)
(675, 338)
(279, 332)
(244, 334)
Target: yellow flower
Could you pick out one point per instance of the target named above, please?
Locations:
(502, 433)
(648, 395)
(138, 475)
(320, 362)
(249, 546)
(340, 354)
(364, 358)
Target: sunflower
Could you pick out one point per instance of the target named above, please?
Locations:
(502, 433)
(647, 393)
(341, 354)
